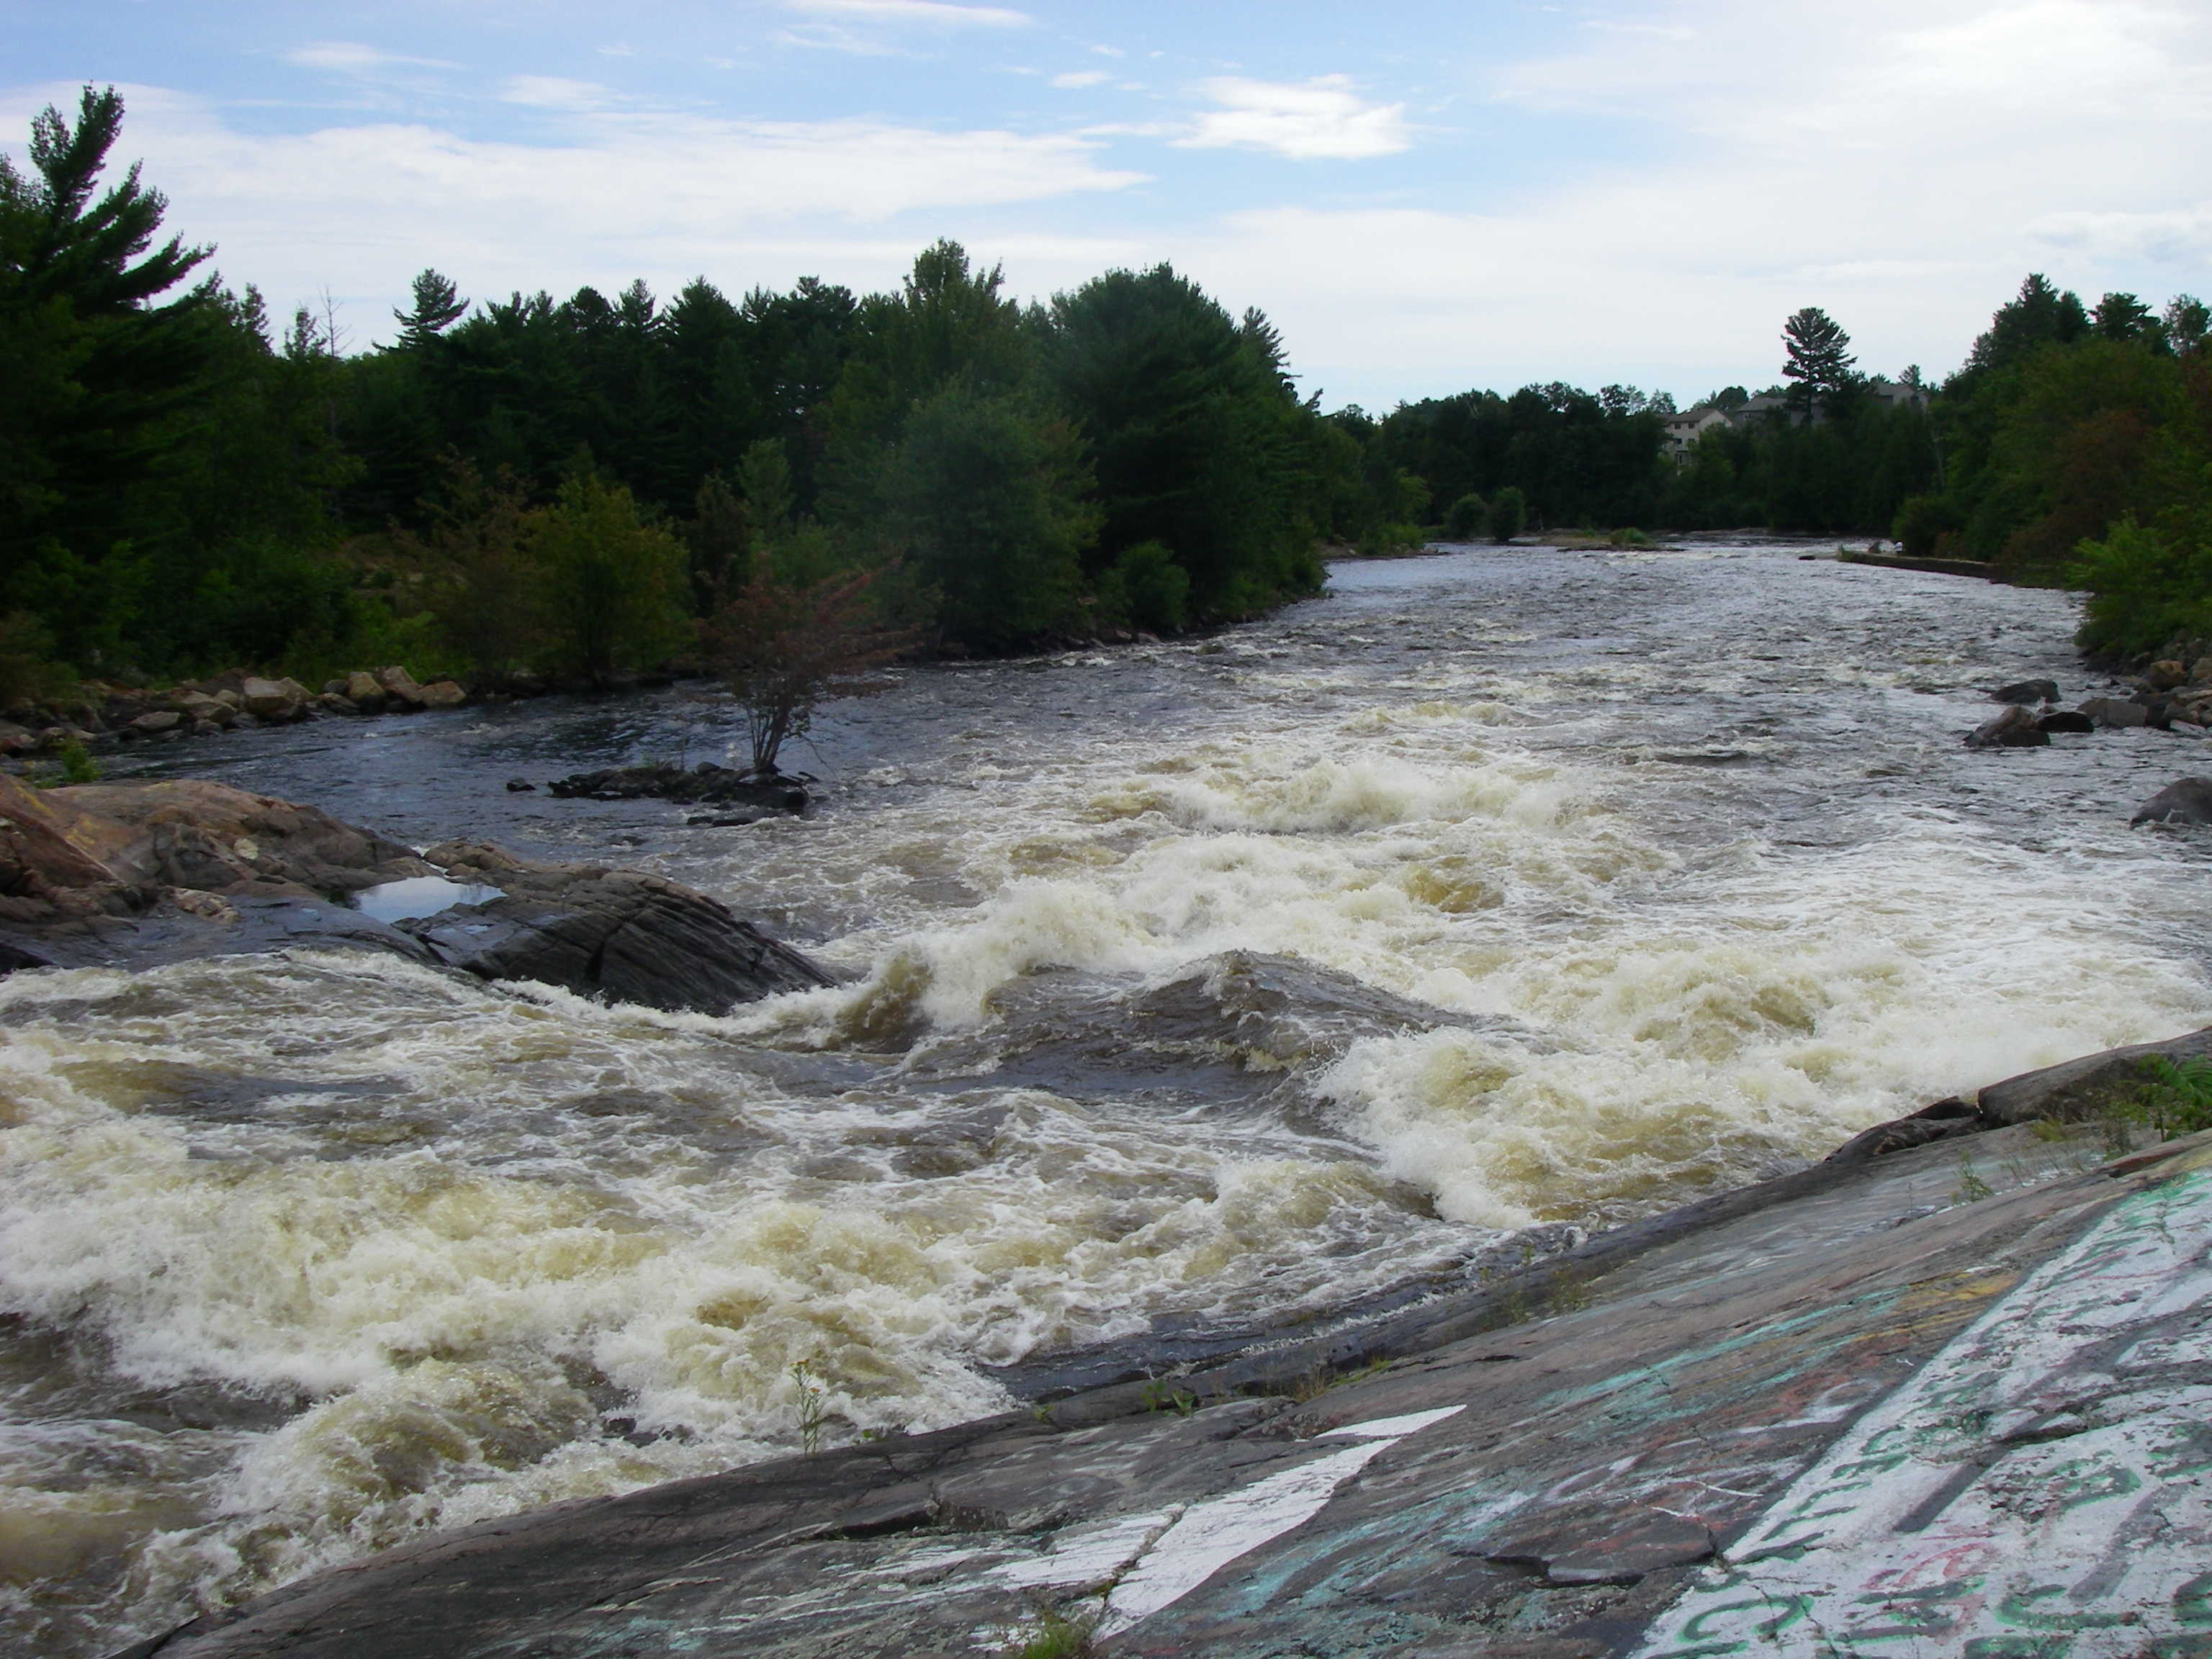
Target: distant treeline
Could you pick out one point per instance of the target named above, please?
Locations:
(534, 486)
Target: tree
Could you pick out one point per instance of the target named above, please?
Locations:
(1198, 441)
(1466, 517)
(1819, 357)
(784, 652)
(611, 584)
(438, 306)
(98, 372)
(985, 498)
(1509, 513)
(2123, 317)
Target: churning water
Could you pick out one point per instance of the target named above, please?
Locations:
(302, 1255)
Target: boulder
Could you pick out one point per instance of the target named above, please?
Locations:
(399, 687)
(16, 739)
(155, 721)
(2115, 712)
(229, 699)
(274, 700)
(443, 694)
(2015, 728)
(2165, 675)
(129, 874)
(186, 832)
(45, 876)
(2187, 801)
(621, 934)
(199, 706)
(2025, 691)
(2064, 720)
(2199, 671)
(362, 690)
(337, 702)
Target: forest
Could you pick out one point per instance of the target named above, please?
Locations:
(526, 487)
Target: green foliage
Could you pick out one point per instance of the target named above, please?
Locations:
(1197, 440)
(1817, 357)
(1509, 514)
(2177, 1096)
(1466, 517)
(1923, 522)
(28, 672)
(611, 585)
(983, 498)
(2145, 588)
(1164, 1396)
(1145, 588)
(1388, 541)
(1055, 1637)
(1972, 1189)
(813, 1409)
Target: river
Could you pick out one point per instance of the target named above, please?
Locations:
(301, 1256)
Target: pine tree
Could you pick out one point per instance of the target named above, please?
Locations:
(1819, 357)
(99, 373)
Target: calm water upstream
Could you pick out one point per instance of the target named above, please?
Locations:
(301, 1256)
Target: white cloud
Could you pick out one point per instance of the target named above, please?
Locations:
(2177, 236)
(1311, 121)
(352, 57)
(1081, 78)
(359, 210)
(553, 92)
(937, 12)
(1903, 165)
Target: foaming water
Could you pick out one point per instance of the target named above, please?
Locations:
(1187, 988)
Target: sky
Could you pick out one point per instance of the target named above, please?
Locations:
(1424, 196)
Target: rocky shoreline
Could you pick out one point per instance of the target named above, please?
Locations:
(1920, 1388)
(236, 700)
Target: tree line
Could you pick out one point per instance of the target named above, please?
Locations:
(534, 486)
(573, 487)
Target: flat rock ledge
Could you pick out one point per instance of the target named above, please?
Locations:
(136, 875)
(1947, 1392)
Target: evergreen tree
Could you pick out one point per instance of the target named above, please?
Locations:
(102, 370)
(1819, 358)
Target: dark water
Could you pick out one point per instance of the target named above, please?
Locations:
(305, 1254)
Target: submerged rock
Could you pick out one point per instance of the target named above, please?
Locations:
(2026, 691)
(2064, 720)
(704, 785)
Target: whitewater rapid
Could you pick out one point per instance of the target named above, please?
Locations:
(304, 1255)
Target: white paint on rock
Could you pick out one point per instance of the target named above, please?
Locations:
(2043, 1480)
(1212, 1534)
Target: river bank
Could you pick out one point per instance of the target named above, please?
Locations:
(1185, 992)
(1948, 1394)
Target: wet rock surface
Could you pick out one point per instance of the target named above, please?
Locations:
(2186, 800)
(132, 875)
(621, 934)
(1782, 1415)
(703, 785)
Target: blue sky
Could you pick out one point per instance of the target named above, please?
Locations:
(1425, 197)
